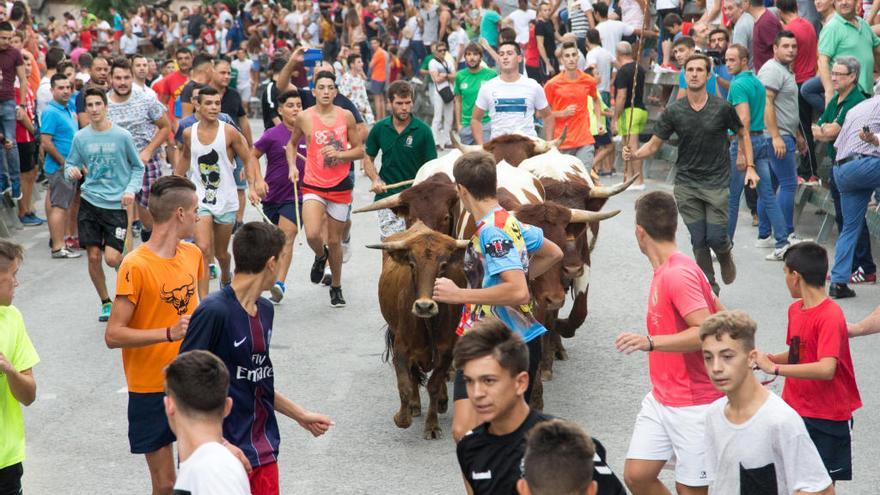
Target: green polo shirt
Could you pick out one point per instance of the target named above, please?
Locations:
(746, 88)
(467, 85)
(402, 154)
(839, 37)
(836, 112)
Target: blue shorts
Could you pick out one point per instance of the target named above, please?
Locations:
(238, 173)
(833, 440)
(227, 218)
(148, 429)
(287, 210)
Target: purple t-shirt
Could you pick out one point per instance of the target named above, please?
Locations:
(763, 34)
(272, 144)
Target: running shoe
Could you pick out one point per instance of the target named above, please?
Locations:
(336, 299)
(794, 239)
(65, 253)
(766, 242)
(105, 311)
(777, 253)
(71, 243)
(840, 291)
(30, 220)
(860, 277)
(213, 271)
(317, 272)
(277, 292)
(16, 190)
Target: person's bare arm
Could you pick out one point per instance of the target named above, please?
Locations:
(825, 76)
(822, 370)
(355, 141)
(545, 257)
(118, 334)
(369, 165)
(21, 383)
(477, 124)
(50, 149)
(186, 108)
(645, 151)
(772, 126)
(457, 117)
(22, 75)
(619, 102)
(163, 127)
(827, 491)
(284, 76)
(182, 165)
(708, 15)
(685, 341)
(245, 125)
(513, 290)
(543, 53)
(314, 423)
(467, 486)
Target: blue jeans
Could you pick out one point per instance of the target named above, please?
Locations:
(813, 91)
(862, 255)
(767, 205)
(417, 49)
(10, 170)
(856, 181)
(783, 172)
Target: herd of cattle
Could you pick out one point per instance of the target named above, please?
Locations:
(544, 188)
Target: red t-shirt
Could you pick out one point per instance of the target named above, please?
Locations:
(171, 85)
(21, 133)
(679, 288)
(85, 39)
(806, 61)
(822, 333)
(532, 56)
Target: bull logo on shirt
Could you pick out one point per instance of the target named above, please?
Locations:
(179, 297)
(209, 172)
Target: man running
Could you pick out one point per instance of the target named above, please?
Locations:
(209, 147)
(106, 156)
(406, 144)
(157, 289)
(333, 141)
(144, 117)
(280, 205)
(466, 88)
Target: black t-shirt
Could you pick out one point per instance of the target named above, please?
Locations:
(624, 80)
(196, 21)
(492, 464)
(369, 30)
(269, 104)
(230, 104)
(545, 29)
(703, 145)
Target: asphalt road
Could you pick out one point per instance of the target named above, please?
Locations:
(329, 360)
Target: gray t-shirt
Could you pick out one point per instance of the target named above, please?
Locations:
(742, 32)
(779, 79)
(431, 23)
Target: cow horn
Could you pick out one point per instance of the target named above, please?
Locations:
(388, 246)
(464, 148)
(542, 146)
(586, 216)
(462, 243)
(607, 192)
(392, 201)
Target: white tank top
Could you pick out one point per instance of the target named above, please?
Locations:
(211, 171)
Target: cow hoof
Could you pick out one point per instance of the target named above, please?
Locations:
(546, 375)
(415, 410)
(433, 432)
(562, 354)
(443, 405)
(402, 422)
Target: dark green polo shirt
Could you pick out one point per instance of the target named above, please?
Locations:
(836, 112)
(402, 154)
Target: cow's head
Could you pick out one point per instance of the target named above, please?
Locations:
(428, 254)
(513, 148)
(432, 202)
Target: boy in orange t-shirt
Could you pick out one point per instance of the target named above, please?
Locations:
(155, 296)
(380, 68)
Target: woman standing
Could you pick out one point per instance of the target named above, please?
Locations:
(442, 73)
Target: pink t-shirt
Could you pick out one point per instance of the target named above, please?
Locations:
(678, 289)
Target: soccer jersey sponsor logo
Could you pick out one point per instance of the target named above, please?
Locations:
(258, 372)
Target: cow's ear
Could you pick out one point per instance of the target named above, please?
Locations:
(401, 211)
(399, 255)
(457, 255)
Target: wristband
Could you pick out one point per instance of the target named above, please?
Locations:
(168, 334)
(650, 343)
(776, 370)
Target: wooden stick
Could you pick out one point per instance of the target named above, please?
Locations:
(637, 57)
(398, 184)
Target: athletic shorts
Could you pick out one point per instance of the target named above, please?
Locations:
(459, 388)
(148, 429)
(62, 190)
(287, 209)
(227, 218)
(340, 212)
(101, 227)
(10, 479)
(833, 440)
(152, 172)
(26, 156)
(238, 174)
(376, 87)
(639, 121)
(602, 139)
(264, 480)
(245, 94)
(672, 434)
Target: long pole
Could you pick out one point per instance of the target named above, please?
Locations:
(637, 55)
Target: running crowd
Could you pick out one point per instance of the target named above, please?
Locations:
(149, 162)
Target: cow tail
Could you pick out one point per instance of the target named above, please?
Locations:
(389, 345)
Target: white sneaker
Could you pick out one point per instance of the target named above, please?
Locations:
(327, 279)
(778, 253)
(794, 239)
(767, 242)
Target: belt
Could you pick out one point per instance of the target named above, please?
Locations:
(857, 156)
(756, 133)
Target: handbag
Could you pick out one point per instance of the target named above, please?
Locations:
(446, 91)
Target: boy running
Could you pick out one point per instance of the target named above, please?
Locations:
(333, 141)
(755, 442)
(17, 384)
(106, 156)
(235, 324)
(820, 383)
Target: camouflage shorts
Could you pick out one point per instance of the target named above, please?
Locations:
(389, 223)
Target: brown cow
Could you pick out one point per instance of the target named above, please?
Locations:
(433, 201)
(421, 332)
(512, 148)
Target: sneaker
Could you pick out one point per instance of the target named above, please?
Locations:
(766, 242)
(35, 217)
(777, 253)
(71, 243)
(213, 271)
(336, 299)
(237, 225)
(840, 291)
(30, 220)
(860, 277)
(277, 292)
(65, 253)
(346, 250)
(794, 239)
(318, 267)
(16, 190)
(327, 279)
(728, 267)
(105, 311)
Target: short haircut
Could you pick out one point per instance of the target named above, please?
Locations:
(741, 50)
(254, 244)
(399, 89)
(657, 213)
(473, 47)
(569, 45)
(325, 74)
(475, 171)
(490, 337)
(54, 56)
(685, 41)
(120, 63)
(198, 382)
(10, 252)
(85, 61)
(783, 34)
(720, 31)
(182, 50)
(601, 8)
(18, 34)
(63, 66)
(514, 44)
(207, 91)
(201, 60)
(558, 459)
(756, 3)
(809, 260)
(169, 193)
(351, 58)
(290, 93)
(593, 37)
(736, 324)
(57, 77)
(787, 6)
(671, 20)
(852, 64)
(507, 34)
(699, 56)
(95, 92)
(6, 26)
(624, 48)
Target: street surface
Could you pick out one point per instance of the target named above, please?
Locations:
(329, 360)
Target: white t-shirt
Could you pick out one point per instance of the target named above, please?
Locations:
(144, 89)
(457, 40)
(44, 94)
(775, 438)
(521, 20)
(244, 72)
(611, 32)
(212, 470)
(512, 105)
(602, 59)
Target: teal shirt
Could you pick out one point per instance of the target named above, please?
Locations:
(112, 165)
(839, 37)
(835, 111)
(467, 85)
(489, 26)
(746, 88)
(403, 154)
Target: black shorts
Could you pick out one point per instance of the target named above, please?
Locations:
(274, 211)
(833, 440)
(602, 139)
(148, 429)
(26, 156)
(459, 389)
(101, 227)
(10, 479)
